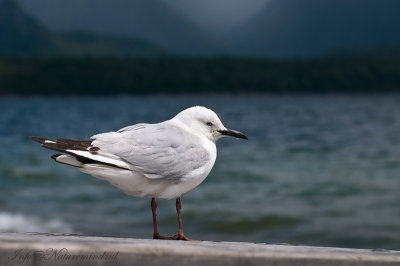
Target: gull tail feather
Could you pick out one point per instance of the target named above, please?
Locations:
(80, 152)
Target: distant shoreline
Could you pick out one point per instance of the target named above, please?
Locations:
(197, 94)
(165, 76)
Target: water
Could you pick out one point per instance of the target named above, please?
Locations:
(317, 170)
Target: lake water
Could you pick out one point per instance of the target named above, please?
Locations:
(317, 170)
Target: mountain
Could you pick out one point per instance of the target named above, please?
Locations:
(23, 36)
(152, 20)
(281, 29)
(81, 43)
(309, 28)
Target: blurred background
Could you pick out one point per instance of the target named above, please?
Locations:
(313, 84)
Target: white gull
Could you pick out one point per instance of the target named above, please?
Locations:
(162, 160)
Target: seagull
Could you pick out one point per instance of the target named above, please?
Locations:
(163, 160)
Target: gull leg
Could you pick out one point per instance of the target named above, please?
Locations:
(156, 235)
(180, 235)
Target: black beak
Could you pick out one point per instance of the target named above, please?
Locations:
(232, 133)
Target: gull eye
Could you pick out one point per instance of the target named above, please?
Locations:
(209, 124)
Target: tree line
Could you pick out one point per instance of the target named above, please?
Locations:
(104, 76)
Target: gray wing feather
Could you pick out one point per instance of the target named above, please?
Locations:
(161, 150)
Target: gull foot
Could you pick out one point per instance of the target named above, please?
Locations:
(183, 237)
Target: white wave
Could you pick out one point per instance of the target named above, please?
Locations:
(17, 222)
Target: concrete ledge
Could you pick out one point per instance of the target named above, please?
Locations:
(42, 249)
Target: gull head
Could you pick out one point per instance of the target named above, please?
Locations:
(206, 122)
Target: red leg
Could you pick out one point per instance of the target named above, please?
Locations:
(156, 235)
(180, 235)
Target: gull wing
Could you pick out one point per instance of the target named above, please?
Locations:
(80, 152)
(162, 150)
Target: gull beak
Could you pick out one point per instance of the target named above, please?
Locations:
(232, 133)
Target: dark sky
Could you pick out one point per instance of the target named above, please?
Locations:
(260, 28)
(214, 16)
(218, 15)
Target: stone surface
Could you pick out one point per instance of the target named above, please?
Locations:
(42, 249)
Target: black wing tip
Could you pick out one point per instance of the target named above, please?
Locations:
(38, 139)
(55, 156)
